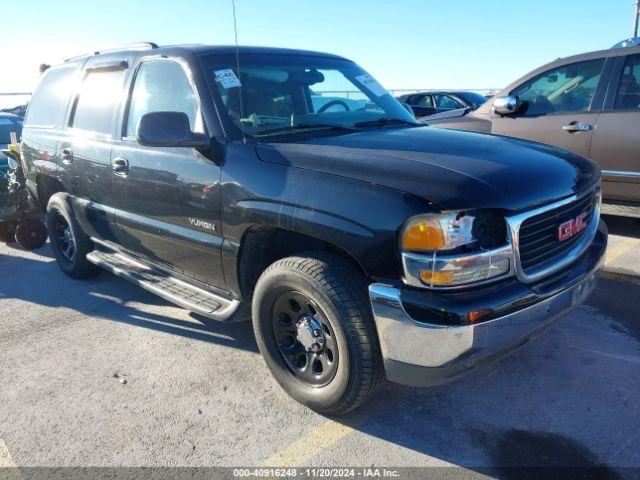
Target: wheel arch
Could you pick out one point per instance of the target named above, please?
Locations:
(46, 187)
(263, 245)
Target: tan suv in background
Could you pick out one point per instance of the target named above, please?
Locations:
(589, 104)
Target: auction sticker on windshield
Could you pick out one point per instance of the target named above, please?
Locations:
(227, 78)
(371, 84)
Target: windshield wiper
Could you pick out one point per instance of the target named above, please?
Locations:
(309, 126)
(387, 121)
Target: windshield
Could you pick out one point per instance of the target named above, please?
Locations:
(474, 100)
(276, 94)
(6, 127)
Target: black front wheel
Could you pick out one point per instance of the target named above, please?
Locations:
(315, 330)
(70, 245)
(305, 338)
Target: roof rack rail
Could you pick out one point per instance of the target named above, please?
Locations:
(133, 46)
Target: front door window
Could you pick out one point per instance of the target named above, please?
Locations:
(445, 102)
(565, 89)
(162, 86)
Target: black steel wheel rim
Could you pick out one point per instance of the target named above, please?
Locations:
(65, 241)
(314, 368)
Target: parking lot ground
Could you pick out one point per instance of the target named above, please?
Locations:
(102, 373)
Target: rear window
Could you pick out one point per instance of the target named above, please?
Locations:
(99, 94)
(50, 99)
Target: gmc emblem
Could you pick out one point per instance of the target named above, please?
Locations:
(570, 228)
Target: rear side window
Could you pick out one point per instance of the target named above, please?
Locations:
(99, 95)
(51, 97)
(565, 89)
(628, 96)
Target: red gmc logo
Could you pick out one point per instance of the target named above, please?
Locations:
(570, 228)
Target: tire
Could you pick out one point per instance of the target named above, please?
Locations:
(64, 230)
(7, 232)
(31, 234)
(339, 302)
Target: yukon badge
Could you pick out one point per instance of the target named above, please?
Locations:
(197, 223)
(572, 227)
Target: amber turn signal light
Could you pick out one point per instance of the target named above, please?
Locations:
(423, 234)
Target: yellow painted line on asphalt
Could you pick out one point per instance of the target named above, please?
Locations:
(619, 249)
(330, 432)
(6, 461)
(299, 452)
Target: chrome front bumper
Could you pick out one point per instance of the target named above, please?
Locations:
(423, 354)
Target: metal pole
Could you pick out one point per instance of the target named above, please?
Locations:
(635, 22)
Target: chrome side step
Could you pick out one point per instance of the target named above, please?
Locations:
(621, 210)
(170, 288)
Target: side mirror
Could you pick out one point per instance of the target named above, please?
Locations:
(169, 129)
(506, 105)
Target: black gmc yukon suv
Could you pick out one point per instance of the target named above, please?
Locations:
(364, 243)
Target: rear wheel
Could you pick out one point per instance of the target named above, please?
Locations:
(31, 234)
(70, 245)
(315, 330)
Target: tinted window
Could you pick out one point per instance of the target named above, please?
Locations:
(51, 97)
(422, 101)
(628, 96)
(163, 86)
(6, 127)
(564, 89)
(99, 94)
(446, 102)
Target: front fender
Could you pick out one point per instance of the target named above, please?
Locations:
(361, 218)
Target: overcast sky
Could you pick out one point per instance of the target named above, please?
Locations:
(405, 44)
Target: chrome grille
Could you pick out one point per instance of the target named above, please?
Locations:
(539, 243)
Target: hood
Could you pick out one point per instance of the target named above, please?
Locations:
(453, 169)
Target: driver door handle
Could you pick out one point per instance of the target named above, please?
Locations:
(574, 127)
(120, 166)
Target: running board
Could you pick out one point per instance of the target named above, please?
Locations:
(622, 210)
(170, 288)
